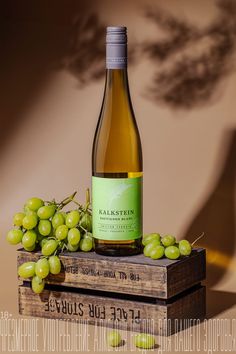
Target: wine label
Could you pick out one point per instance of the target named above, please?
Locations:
(117, 208)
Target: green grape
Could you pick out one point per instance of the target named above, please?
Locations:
(168, 240)
(49, 247)
(58, 220)
(88, 234)
(29, 239)
(42, 268)
(26, 270)
(26, 209)
(44, 227)
(113, 338)
(54, 264)
(86, 222)
(157, 252)
(31, 212)
(144, 341)
(185, 248)
(172, 252)
(30, 221)
(46, 212)
(64, 214)
(14, 236)
(72, 218)
(34, 203)
(73, 236)
(43, 241)
(72, 248)
(37, 284)
(61, 232)
(18, 218)
(30, 249)
(90, 237)
(150, 246)
(151, 237)
(86, 244)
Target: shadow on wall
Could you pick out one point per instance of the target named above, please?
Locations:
(191, 62)
(34, 45)
(85, 53)
(217, 219)
(36, 40)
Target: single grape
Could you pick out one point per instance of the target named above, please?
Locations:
(88, 235)
(46, 212)
(18, 218)
(168, 240)
(144, 341)
(37, 284)
(72, 248)
(34, 203)
(172, 252)
(49, 247)
(86, 244)
(151, 237)
(43, 241)
(14, 236)
(113, 338)
(42, 268)
(54, 264)
(157, 252)
(58, 220)
(73, 236)
(61, 232)
(44, 227)
(31, 212)
(72, 218)
(30, 221)
(30, 249)
(26, 270)
(64, 213)
(26, 209)
(150, 246)
(86, 222)
(185, 248)
(29, 239)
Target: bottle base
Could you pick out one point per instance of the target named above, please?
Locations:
(118, 248)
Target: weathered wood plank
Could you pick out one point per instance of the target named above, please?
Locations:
(108, 310)
(130, 275)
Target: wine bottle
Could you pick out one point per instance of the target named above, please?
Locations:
(117, 159)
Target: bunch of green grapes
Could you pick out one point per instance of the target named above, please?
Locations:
(45, 226)
(157, 247)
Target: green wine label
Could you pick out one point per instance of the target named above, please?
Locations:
(117, 208)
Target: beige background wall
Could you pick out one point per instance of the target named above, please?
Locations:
(51, 87)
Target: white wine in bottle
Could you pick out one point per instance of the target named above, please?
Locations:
(117, 159)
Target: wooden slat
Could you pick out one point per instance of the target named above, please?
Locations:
(108, 310)
(129, 275)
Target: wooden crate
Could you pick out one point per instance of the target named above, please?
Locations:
(133, 292)
(137, 275)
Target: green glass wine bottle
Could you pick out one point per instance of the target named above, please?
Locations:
(117, 167)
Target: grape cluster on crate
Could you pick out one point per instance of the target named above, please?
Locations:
(157, 247)
(45, 226)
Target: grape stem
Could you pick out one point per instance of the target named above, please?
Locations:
(198, 238)
(67, 200)
(79, 205)
(83, 228)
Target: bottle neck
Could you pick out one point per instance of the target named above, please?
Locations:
(117, 83)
